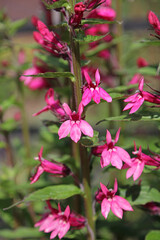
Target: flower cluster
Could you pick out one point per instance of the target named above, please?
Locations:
(58, 222)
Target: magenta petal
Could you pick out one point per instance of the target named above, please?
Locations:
(96, 96)
(138, 171)
(131, 170)
(64, 229)
(131, 98)
(141, 83)
(87, 77)
(106, 155)
(75, 133)
(136, 105)
(108, 137)
(64, 129)
(117, 135)
(104, 95)
(116, 160)
(105, 207)
(86, 97)
(123, 155)
(115, 208)
(35, 178)
(128, 106)
(97, 77)
(123, 203)
(104, 188)
(67, 109)
(86, 128)
(41, 111)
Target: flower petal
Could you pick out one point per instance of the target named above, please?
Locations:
(86, 97)
(108, 137)
(96, 96)
(75, 133)
(123, 155)
(138, 171)
(97, 77)
(123, 203)
(136, 105)
(106, 155)
(87, 77)
(86, 128)
(105, 207)
(104, 95)
(67, 109)
(116, 160)
(115, 208)
(64, 129)
(117, 136)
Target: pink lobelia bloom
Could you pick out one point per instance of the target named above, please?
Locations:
(110, 201)
(58, 222)
(75, 125)
(34, 83)
(105, 13)
(53, 105)
(154, 21)
(56, 168)
(153, 208)
(50, 40)
(91, 90)
(111, 153)
(137, 99)
(137, 164)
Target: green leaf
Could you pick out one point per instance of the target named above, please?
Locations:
(90, 142)
(53, 75)
(88, 38)
(52, 61)
(148, 71)
(120, 89)
(57, 192)
(8, 103)
(153, 235)
(8, 125)
(21, 232)
(16, 25)
(96, 21)
(144, 116)
(148, 42)
(58, 4)
(139, 195)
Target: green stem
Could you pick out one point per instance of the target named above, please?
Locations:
(76, 69)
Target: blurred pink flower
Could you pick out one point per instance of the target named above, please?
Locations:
(92, 91)
(56, 168)
(50, 40)
(111, 153)
(32, 82)
(52, 105)
(58, 222)
(21, 57)
(137, 99)
(110, 201)
(154, 21)
(75, 19)
(105, 13)
(153, 208)
(75, 125)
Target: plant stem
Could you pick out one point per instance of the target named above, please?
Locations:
(75, 67)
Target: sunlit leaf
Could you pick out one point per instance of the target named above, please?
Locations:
(153, 235)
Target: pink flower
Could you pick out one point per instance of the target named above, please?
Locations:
(56, 168)
(111, 153)
(53, 105)
(154, 21)
(141, 62)
(75, 125)
(50, 40)
(105, 13)
(91, 90)
(34, 83)
(137, 164)
(153, 208)
(58, 222)
(110, 201)
(137, 99)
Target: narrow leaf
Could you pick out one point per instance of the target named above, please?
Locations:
(54, 75)
(21, 232)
